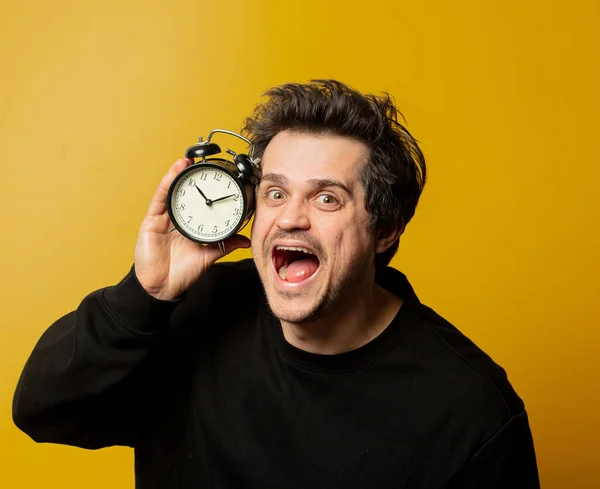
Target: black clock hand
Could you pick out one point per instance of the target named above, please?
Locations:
(223, 198)
(206, 199)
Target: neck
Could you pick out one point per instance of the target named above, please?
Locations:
(349, 326)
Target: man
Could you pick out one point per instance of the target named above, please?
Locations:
(332, 374)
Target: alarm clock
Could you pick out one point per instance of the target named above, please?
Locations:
(213, 198)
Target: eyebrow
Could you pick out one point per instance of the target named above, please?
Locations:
(315, 183)
(274, 178)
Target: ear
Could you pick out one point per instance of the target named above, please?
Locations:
(387, 236)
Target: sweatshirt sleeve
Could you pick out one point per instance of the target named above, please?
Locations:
(506, 461)
(93, 376)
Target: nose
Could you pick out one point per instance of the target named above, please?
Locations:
(293, 215)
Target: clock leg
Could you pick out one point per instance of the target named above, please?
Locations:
(222, 246)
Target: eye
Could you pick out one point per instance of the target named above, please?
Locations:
(275, 195)
(327, 199)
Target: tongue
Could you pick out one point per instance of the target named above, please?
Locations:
(299, 270)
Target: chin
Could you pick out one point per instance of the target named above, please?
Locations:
(293, 309)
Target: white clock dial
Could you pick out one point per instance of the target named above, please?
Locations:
(207, 203)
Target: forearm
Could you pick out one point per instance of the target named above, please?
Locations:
(84, 380)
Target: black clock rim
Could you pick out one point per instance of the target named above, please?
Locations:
(194, 166)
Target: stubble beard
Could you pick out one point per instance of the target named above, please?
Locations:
(329, 301)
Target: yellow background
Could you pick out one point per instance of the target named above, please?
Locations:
(97, 99)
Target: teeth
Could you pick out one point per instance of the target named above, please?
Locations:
(293, 248)
(283, 272)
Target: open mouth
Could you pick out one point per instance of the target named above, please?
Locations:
(294, 263)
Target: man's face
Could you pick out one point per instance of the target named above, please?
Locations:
(310, 239)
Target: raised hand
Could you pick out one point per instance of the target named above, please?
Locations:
(167, 264)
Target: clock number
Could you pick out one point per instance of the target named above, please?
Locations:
(182, 192)
(226, 223)
(218, 176)
(182, 206)
(229, 184)
(203, 176)
(191, 182)
(236, 197)
(190, 219)
(200, 228)
(236, 212)
(214, 229)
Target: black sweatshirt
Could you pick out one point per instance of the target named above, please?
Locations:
(210, 395)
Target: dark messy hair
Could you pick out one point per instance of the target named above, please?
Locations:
(394, 175)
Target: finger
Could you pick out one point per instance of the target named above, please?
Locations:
(158, 203)
(235, 242)
(214, 252)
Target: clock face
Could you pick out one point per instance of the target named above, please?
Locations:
(206, 203)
